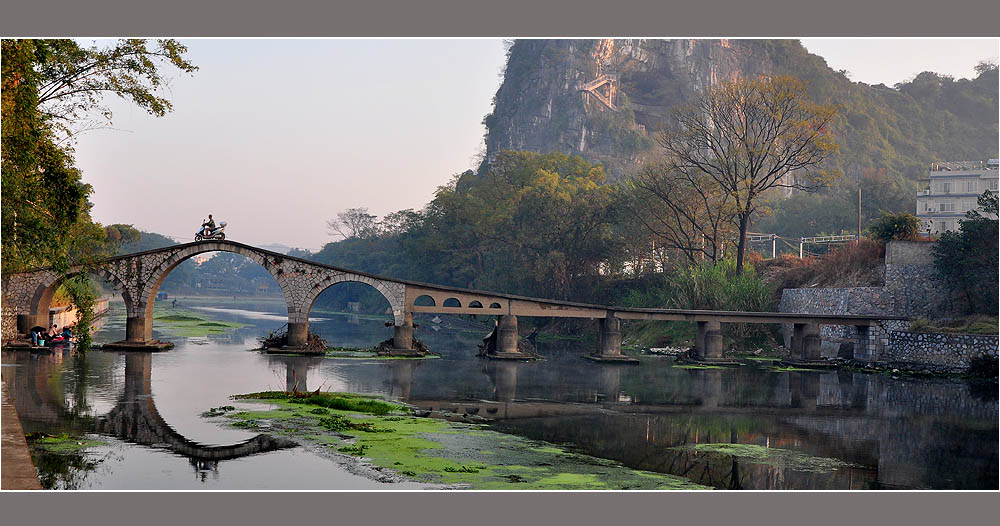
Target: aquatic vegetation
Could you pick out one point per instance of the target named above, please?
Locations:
(452, 453)
(777, 457)
(342, 401)
(63, 443)
(697, 366)
(182, 323)
(218, 411)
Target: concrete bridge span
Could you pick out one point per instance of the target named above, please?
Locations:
(27, 296)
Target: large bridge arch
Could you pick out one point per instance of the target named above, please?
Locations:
(301, 282)
(139, 324)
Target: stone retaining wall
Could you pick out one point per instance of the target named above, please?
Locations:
(937, 352)
(912, 289)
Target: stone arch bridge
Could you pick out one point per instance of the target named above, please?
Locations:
(27, 297)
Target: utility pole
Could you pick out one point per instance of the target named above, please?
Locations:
(774, 246)
(859, 212)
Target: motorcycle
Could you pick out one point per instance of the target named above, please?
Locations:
(214, 233)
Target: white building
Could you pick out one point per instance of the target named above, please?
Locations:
(952, 190)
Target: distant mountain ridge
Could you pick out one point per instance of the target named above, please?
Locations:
(542, 106)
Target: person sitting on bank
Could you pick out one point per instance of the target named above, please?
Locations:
(53, 331)
(66, 333)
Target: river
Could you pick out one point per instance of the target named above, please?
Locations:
(747, 427)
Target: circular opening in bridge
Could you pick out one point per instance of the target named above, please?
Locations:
(424, 301)
(451, 302)
(475, 305)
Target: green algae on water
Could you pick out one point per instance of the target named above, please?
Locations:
(771, 456)
(184, 323)
(63, 443)
(455, 454)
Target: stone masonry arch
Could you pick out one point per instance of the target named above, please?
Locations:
(394, 293)
(26, 301)
(301, 283)
(139, 326)
(139, 276)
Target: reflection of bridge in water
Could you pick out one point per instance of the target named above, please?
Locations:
(866, 421)
(134, 418)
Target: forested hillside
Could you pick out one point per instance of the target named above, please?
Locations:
(888, 136)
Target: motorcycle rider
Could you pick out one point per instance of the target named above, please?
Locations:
(208, 226)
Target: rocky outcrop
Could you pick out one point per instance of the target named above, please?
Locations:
(543, 106)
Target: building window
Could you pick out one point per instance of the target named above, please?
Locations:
(942, 188)
(943, 226)
(947, 207)
(924, 209)
(993, 185)
(971, 187)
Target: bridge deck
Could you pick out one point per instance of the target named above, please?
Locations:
(498, 303)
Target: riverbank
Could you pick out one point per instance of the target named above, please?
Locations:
(389, 441)
(17, 472)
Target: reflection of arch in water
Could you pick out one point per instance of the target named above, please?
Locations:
(134, 418)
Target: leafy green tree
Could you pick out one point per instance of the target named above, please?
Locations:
(967, 259)
(50, 89)
(902, 226)
(751, 136)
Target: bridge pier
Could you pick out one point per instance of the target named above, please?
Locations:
(503, 343)
(708, 344)
(138, 337)
(298, 334)
(806, 346)
(402, 334)
(609, 341)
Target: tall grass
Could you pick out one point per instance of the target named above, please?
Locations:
(719, 287)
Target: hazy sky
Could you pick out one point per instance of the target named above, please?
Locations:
(277, 136)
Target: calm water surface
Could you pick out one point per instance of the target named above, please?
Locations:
(880, 432)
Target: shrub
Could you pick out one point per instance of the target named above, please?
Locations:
(902, 226)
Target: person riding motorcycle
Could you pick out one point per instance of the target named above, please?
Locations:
(208, 226)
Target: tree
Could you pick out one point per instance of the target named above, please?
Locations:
(50, 88)
(751, 136)
(684, 209)
(74, 79)
(354, 223)
(967, 260)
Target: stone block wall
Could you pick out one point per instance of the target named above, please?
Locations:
(936, 352)
(912, 289)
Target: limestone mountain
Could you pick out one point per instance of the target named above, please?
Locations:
(602, 99)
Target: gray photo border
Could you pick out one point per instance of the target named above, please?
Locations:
(507, 18)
